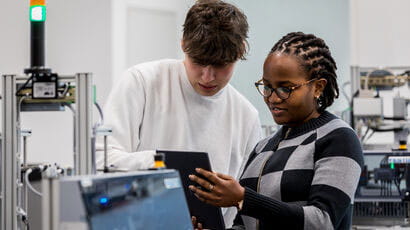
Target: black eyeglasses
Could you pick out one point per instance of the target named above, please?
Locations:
(282, 92)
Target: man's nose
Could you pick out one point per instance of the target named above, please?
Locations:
(208, 74)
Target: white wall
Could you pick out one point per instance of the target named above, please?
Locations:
(76, 41)
(158, 11)
(14, 43)
(380, 37)
(269, 20)
(81, 36)
(380, 32)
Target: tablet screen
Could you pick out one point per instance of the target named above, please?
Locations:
(186, 162)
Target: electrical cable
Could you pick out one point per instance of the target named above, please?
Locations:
(344, 112)
(18, 109)
(369, 136)
(405, 73)
(67, 86)
(101, 121)
(95, 127)
(365, 133)
(24, 217)
(24, 85)
(344, 91)
(70, 107)
(25, 221)
(74, 128)
(352, 120)
(397, 186)
(28, 172)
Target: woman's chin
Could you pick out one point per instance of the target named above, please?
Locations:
(279, 120)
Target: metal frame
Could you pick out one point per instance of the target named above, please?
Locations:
(355, 79)
(50, 204)
(355, 74)
(83, 128)
(9, 157)
(367, 219)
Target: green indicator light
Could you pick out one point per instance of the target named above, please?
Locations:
(392, 165)
(37, 13)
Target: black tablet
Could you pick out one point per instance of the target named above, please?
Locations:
(186, 162)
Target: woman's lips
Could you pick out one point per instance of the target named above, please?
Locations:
(276, 111)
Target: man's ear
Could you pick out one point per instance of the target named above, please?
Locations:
(320, 85)
(182, 44)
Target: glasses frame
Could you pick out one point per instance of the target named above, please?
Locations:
(291, 89)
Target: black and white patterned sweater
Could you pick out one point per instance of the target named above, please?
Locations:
(302, 177)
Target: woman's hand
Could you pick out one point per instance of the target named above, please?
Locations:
(223, 190)
(195, 223)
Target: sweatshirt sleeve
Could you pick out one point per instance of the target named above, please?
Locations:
(123, 112)
(338, 161)
(254, 137)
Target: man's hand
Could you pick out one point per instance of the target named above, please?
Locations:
(224, 190)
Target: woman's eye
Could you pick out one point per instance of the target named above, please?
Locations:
(284, 89)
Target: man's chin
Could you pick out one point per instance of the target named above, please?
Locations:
(208, 93)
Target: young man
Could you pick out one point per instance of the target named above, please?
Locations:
(187, 104)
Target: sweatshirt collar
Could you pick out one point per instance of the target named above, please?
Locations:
(308, 126)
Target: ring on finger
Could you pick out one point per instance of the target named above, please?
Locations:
(211, 187)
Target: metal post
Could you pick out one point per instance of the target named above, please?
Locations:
(8, 161)
(24, 194)
(45, 204)
(50, 203)
(83, 127)
(354, 79)
(105, 154)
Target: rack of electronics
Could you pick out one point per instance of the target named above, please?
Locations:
(383, 195)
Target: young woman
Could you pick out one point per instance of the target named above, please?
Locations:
(305, 175)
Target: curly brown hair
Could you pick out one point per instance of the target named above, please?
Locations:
(215, 33)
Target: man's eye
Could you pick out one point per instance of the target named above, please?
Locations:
(199, 65)
(220, 66)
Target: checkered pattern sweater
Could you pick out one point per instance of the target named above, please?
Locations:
(302, 177)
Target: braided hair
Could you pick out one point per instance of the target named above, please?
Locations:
(316, 60)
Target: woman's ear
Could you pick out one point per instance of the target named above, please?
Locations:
(320, 85)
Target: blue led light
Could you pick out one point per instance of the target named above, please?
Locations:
(103, 200)
(127, 186)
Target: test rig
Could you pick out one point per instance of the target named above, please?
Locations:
(383, 194)
(79, 199)
(39, 89)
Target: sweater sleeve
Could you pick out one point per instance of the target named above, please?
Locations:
(338, 164)
(267, 209)
(124, 111)
(338, 161)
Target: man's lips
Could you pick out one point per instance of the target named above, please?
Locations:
(207, 86)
